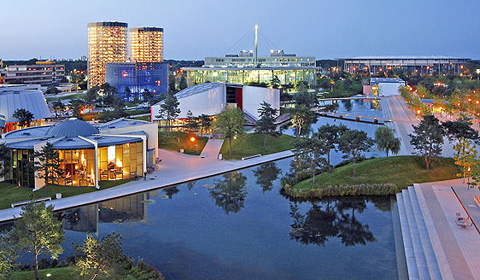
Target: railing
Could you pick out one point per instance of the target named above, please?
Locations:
(30, 201)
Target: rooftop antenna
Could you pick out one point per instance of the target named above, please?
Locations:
(256, 43)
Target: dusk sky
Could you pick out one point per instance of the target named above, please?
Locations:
(197, 28)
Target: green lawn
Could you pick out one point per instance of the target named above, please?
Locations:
(11, 193)
(59, 273)
(181, 140)
(401, 171)
(142, 118)
(252, 144)
(68, 97)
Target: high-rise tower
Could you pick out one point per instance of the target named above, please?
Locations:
(107, 42)
(146, 44)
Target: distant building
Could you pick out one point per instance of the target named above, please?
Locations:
(138, 77)
(43, 73)
(29, 98)
(405, 64)
(212, 98)
(107, 42)
(146, 44)
(386, 86)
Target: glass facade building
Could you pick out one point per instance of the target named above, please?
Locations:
(138, 76)
(286, 75)
(146, 44)
(107, 42)
(86, 156)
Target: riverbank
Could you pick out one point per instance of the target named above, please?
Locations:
(175, 169)
(381, 176)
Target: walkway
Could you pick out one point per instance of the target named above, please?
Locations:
(212, 148)
(435, 247)
(175, 169)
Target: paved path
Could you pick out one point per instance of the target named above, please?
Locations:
(175, 169)
(459, 246)
(212, 148)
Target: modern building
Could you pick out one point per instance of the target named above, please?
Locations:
(30, 98)
(146, 44)
(405, 64)
(212, 98)
(246, 59)
(120, 149)
(385, 86)
(43, 73)
(290, 76)
(138, 77)
(107, 42)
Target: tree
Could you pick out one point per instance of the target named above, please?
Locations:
(48, 162)
(312, 151)
(205, 123)
(192, 122)
(38, 232)
(76, 107)
(266, 123)
(427, 138)
(52, 90)
(128, 92)
(91, 97)
(107, 116)
(331, 135)
(183, 83)
(230, 123)
(58, 107)
(462, 128)
(171, 84)
(386, 140)
(23, 116)
(4, 159)
(352, 143)
(302, 117)
(147, 95)
(7, 257)
(103, 258)
(169, 110)
(465, 158)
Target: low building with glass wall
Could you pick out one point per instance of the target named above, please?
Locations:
(121, 149)
(244, 75)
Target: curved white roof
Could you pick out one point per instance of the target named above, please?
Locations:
(12, 99)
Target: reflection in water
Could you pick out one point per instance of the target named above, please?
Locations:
(332, 217)
(266, 174)
(170, 191)
(347, 105)
(132, 208)
(229, 193)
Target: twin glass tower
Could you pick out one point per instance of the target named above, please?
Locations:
(107, 42)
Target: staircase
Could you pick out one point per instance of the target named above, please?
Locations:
(420, 254)
(249, 118)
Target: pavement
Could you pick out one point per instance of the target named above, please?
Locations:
(175, 168)
(459, 247)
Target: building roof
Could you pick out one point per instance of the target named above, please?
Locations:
(250, 68)
(72, 128)
(118, 123)
(386, 80)
(405, 57)
(195, 89)
(12, 98)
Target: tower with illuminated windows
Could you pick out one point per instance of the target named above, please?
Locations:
(107, 42)
(146, 44)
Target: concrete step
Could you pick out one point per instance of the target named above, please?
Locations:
(420, 258)
(430, 257)
(407, 239)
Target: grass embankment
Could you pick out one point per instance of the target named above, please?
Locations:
(379, 176)
(252, 144)
(181, 140)
(343, 90)
(59, 273)
(11, 193)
